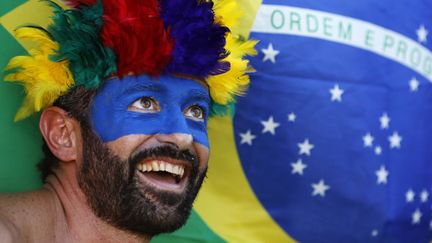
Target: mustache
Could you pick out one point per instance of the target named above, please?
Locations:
(166, 151)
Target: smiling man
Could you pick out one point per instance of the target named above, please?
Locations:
(125, 88)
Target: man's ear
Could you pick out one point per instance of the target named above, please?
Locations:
(60, 132)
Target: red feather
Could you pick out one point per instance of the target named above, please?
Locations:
(77, 3)
(136, 33)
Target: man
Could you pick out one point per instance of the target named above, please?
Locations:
(125, 88)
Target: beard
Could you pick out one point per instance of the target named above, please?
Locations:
(116, 195)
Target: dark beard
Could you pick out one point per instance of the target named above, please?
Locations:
(115, 195)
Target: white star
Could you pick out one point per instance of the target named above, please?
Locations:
(336, 93)
(247, 137)
(292, 117)
(298, 167)
(385, 121)
(424, 195)
(368, 140)
(320, 188)
(414, 84)
(270, 125)
(430, 225)
(416, 216)
(409, 196)
(305, 147)
(270, 53)
(422, 34)
(378, 150)
(382, 175)
(395, 140)
(374, 232)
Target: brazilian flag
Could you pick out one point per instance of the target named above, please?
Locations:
(214, 218)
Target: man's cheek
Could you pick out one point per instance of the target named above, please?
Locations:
(204, 155)
(198, 130)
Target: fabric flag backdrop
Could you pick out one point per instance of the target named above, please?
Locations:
(331, 144)
(334, 134)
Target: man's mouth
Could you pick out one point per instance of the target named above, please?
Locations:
(164, 174)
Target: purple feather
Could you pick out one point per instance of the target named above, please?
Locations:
(198, 42)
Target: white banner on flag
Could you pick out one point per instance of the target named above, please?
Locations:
(275, 19)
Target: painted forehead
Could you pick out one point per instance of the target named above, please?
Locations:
(112, 118)
(178, 87)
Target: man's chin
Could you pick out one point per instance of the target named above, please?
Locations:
(156, 208)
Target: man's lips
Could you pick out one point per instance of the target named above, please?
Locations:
(164, 173)
(160, 165)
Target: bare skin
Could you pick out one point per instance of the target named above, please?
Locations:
(58, 212)
(52, 214)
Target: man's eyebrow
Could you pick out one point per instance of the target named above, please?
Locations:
(200, 95)
(141, 87)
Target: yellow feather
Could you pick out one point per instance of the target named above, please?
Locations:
(36, 35)
(25, 110)
(227, 13)
(224, 87)
(43, 80)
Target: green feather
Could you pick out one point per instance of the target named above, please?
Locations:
(78, 34)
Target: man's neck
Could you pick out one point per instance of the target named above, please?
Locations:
(76, 220)
(57, 213)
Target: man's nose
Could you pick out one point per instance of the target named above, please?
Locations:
(179, 140)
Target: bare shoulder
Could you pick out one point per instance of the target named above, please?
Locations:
(23, 216)
(14, 216)
(8, 231)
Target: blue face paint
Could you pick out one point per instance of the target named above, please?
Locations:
(113, 118)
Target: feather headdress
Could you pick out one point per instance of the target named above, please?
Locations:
(97, 39)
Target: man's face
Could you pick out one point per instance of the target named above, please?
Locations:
(146, 160)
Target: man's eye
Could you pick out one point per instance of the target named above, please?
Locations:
(195, 112)
(145, 105)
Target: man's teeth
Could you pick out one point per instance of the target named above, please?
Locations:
(161, 166)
